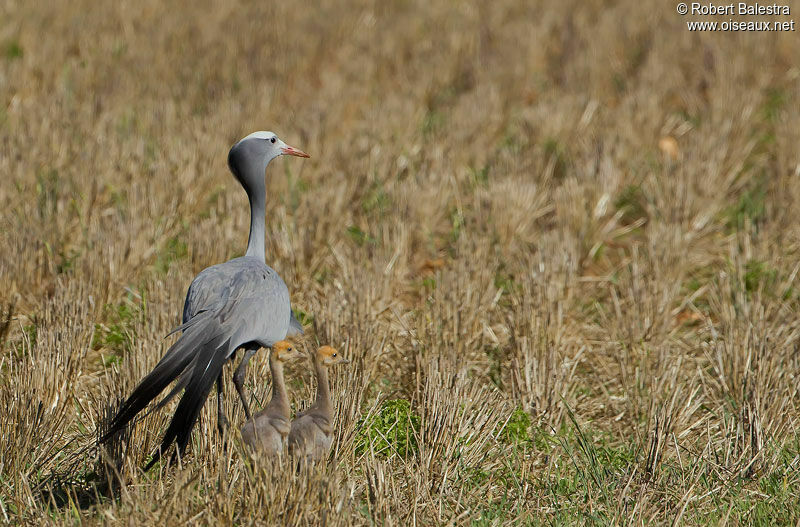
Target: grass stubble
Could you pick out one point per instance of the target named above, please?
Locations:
(559, 242)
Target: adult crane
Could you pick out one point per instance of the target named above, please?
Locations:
(239, 304)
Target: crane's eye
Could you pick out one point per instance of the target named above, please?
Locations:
(334, 354)
(289, 349)
(272, 140)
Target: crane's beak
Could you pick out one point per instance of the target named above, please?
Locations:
(292, 151)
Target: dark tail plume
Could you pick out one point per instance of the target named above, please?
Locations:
(171, 365)
(210, 360)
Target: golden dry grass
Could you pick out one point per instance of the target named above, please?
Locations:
(560, 243)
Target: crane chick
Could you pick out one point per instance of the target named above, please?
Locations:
(310, 436)
(268, 430)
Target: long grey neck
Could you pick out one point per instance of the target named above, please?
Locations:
(323, 402)
(258, 214)
(248, 166)
(279, 403)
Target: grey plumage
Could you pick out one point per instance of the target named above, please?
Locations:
(239, 304)
(192, 300)
(295, 327)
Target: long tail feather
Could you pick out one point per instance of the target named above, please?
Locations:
(210, 361)
(180, 384)
(174, 362)
(198, 317)
(185, 376)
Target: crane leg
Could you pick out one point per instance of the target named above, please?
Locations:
(222, 421)
(239, 375)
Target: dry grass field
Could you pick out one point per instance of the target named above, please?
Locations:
(560, 242)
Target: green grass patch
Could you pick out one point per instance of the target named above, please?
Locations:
(175, 249)
(376, 200)
(749, 208)
(517, 428)
(432, 122)
(321, 276)
(14, 50)
(360, 237)
(499, 512)
(479, 177)
(306, 319)
(393, 430)
(631, 202)
(597, 470)
(760, 277)
(117, 333)
(769, 503)
(428, 284)
(759, 274)
(504, 281)
(774, 101)
(456, 224)
(67, 260)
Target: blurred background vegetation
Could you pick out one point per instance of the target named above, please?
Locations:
(559, 240)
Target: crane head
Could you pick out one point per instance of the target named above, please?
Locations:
(330, 356)
(249, 157)
(285, 351)
(271, 145)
